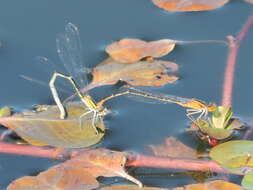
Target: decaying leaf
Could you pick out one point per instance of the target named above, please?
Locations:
(173, 148)
(212, 185)
(189, 5)
(132, 50)
(249, 1)
(141, 73)
(79, 173)
(46, 128)
(130, 187)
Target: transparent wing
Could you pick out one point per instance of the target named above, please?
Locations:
(69, 49)
(141, 95)
(51, 68)
(45, 68)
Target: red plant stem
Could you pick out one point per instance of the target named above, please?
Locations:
(137, 160)
(28, 150)
(229, 73)
(231, 61)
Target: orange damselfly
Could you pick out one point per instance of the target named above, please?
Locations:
(194, 106)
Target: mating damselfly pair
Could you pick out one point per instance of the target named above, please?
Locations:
(69, 49)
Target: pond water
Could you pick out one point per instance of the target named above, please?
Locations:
(28, 29)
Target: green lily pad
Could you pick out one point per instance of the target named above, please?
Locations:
(235, 156)
(5, 112)
(247, 181)
(44, 127)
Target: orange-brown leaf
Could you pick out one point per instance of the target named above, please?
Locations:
(189, 5)
(46, 128)
(142, 73)
(173, 148)
(131, 187)
(249, 1)
(132, 50)
(213, 185)
(79, 173)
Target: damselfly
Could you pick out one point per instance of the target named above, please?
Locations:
(193, 105)
(69, 49)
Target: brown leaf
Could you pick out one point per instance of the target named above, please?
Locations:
(249, 1)
(79, 173)
(189, 5)
(213, 185)
(132, 50)
(130, 187)
(46, 128)
(141, 73)
(173, 148)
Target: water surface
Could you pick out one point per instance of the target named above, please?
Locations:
(28, 29)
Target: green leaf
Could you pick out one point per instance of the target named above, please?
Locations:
(217, 133)
(221, 116)
(5, 112)
(235, 124)
(235, 156)
(220, 127)
(44, 127)
(247, 181)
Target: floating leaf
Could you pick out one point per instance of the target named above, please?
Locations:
(247, 181)
(130, 187)
(141, 73)
(46, 128)
(173, 148)
(5, 112)
(222, 124)
(235, 156)
(235, 124)
(132, 50)
(215, 133)
(249, 1)
(212, 185)
(189, 5)
(79, 173)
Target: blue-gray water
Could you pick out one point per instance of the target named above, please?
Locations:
(28, 29)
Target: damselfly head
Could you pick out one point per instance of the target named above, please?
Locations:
(212, 106)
